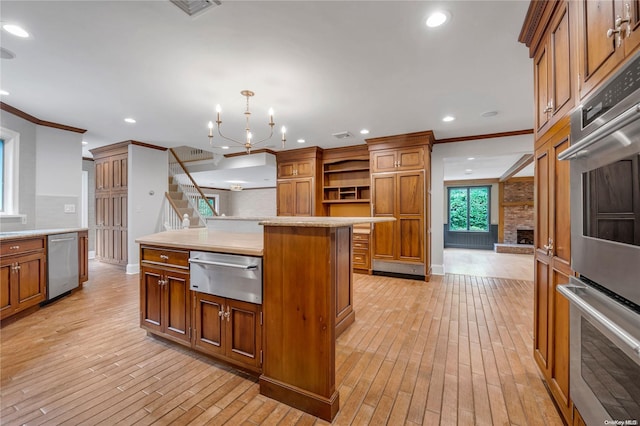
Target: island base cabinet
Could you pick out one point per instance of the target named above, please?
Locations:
(165, 303)
(228, 328)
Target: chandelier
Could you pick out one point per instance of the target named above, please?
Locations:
(248, 142)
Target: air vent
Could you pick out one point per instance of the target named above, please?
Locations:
(194, 7)
(342, 135)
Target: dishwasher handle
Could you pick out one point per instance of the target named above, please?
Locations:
(229, 265)
(59, 240)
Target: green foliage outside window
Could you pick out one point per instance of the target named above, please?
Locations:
(203, 207)
(469, 209)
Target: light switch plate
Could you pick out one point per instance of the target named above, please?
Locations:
(69, 208)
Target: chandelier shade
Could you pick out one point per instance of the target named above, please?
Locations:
(248, 143)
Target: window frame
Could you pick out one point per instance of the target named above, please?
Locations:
(216, 203)
(11, 166)
(468, 188)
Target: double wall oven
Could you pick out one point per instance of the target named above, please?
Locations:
(605, 247)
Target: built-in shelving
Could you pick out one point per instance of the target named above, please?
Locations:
(347, 181)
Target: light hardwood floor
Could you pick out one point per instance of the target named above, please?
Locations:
(487, 263)
(456, 350)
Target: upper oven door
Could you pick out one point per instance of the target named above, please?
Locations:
(605, 200)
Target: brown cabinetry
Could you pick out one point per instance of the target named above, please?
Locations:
(608, 35)
(23, 279)
(361, 258)
(83, 256)
(230, 329)
(298, 186)
(552, 242)
(165, 297)
(400, 187)
(553, 68)
(111, 203)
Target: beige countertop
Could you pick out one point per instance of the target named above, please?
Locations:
(322, 221)
(33, 233)
(250, 244)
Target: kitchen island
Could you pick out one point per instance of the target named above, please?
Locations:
(307, 301)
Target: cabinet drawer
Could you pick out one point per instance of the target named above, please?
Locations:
(359, 245)
(360, 260)
(8, 248)
(165, 256)
(360, 237)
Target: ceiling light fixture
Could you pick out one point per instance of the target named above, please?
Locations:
(448, 118)
(130, 120)
(85, 143)
(248, 144)
(438, 18)
(4, 93)
(490, 114)
(301, 141)
(364, 132)
(16, 30)
(471, 158)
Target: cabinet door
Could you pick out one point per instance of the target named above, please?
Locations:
(541, 83)
(103, 210)
(561, 208)
(83, 256)
(7, 288)
(383, 205)
(103, 174)
(119, 171)
(209, 326)
(286, 198)
(410, 216)
(303, 197)
(176, 313)
(244, 332)
(305, 168)
(410, 158)
(151, 298)
(382, 161)
(631, 9)
(559, 339)
(561, 94)
(286, 170)
(32, 280)
(600, 54)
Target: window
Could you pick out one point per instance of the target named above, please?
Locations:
(469, 208)
(203, 206)
(9, 162)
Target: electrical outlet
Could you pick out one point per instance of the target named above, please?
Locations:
(69, 208)
(23, 219)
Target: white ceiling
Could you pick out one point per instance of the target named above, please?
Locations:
(324, 66)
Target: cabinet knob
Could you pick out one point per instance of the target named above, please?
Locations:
(164, 257)
(221, 313)
(228, 313)
(14, 248)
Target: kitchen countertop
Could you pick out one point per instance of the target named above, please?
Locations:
(32, 233)
(322, 221)
(250, 244)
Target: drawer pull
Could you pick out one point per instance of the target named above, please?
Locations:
(14, 248)
(164, 257)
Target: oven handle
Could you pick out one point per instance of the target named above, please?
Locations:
(230, 265)
(595, 315)
(575, 151)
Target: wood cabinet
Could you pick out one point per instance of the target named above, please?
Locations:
(400, 189)
(230, 329)
(23, 279)
(552, 242)
(361, 256)
(554, 64)
(346, 181)
(298, 187)
(83, 256)
(111, 194)
(600, 50)
(165, 297)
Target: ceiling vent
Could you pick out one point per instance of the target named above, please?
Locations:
(342, 135)
(194, 7)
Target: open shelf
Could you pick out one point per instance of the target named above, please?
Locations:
(346, 181)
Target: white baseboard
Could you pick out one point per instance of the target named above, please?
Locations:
(133, 268)
(437, 269)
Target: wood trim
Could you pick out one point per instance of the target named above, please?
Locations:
(88, 159)
(470, 182)
(520, 179)
(517, 203)
(523, 162)
(485, 136)
(400, 141)
(300, 153)
(353, 152)
(501, 212)
(215, 212)
(257, 151)
(108, 149)
(18, 113)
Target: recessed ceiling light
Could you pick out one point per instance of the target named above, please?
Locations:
(301, 141)
(448, 118)
(129, 120)
(364, 132)
(236, 181)
(4, 93)
(438, 18)
(16, 30)
(224, 147)
(489, 114)
(471, 158)
(468, 171)
(85, 143)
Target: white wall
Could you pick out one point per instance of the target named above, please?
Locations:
(58, 169)
(513, 144)
(148, 181)
(253, 202)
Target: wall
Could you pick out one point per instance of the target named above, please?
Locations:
(90, 167)
(518, 216)
(253, 202)
(496, 146)
(49, 175)
(148, 181)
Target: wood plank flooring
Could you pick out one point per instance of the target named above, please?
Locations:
(456, 350)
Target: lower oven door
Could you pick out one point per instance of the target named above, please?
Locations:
(605, 356)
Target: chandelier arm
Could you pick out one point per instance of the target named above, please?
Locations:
(265, 139)
(229, 139)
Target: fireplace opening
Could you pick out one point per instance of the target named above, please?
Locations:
(524, 236)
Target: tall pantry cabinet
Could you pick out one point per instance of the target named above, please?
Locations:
(401, 189)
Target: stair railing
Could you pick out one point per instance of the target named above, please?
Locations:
(171, 218)
(188, 186)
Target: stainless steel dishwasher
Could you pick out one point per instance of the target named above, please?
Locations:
(227, 275)
(62, 264)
